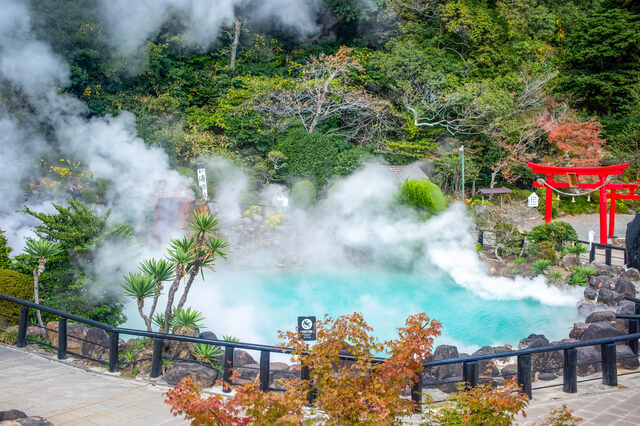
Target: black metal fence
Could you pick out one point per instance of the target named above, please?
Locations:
(610, 252)
(471, 365)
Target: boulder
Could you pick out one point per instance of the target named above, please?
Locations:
(75, 332)
(587, 308)
(600, 316)
(546, 376)
(625, 358)
(488, 367)
(569, 261)
(208, 335)
(626, 307)
(601, 281)
(33, 421)
(11, 415)
(241, 358)
(625, 287)
(444, 372)
(577, 330)
(533, 341)
(589, 360)
(631, 274)
(609, 297)
(590, 293)
(543, 360)
(598, 330)
(247, 373)
(279, 371)
(202, 375)
(96, 343)
(509, 371)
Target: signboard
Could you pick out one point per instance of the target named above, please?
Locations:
(307, 328)
(532, 201)
(202, 180)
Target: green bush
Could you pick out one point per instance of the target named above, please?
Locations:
(540, 266)
(580, 275)
(4, 251)
(303, 194)
(423, 196)
(557, 233)
(542, 250)
(14, 284)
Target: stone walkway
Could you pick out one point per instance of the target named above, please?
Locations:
(69, 395)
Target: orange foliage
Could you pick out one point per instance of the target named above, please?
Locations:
(579, 140)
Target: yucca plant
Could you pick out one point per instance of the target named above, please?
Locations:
(555, 276)
(230, 339)
(160, 271)
(576, 250)
(519, 260)
(140, 286)
(204, 352)
(44, 250)
(186, 319)
(581, 274)
(540, 266)
(158, 320)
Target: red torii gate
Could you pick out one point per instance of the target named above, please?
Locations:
(613, 196)
(574, 174)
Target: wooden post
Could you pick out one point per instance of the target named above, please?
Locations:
(227, 368)
(113, 351)
(22, 326)
(524, 373)
(570, 378)
(609, 367)
(470, 373)
(612, 212)
(62, 338)
(548, 202)
(156, 358)
(603, 211)
(264, 370)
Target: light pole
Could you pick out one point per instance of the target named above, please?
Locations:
(462, 160)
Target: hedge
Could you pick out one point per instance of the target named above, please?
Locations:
(422, 195)
(14, 284)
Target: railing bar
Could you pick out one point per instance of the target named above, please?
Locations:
(547, 386)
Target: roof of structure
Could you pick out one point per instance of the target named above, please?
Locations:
(489, 191)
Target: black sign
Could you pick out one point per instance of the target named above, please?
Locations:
(307, 328)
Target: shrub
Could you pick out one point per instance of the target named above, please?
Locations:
(519, 260)
(4, 251)
(14, 284)
(557, 233)
(555, 276)
(303, 194)
(540, 266)
(542, 250)
(580, 275)
(423, 196)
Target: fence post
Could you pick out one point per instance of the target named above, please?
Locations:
(416, 392)
(62, 338)
(22, 326)
(113, 351)
(524, 373)
(156, 358)
(607, 255)
(305, 374)
(470, 373)
(228, 366)
(633, 328)
(609, 367)
(592, 253)
(569, 376)
(481, 239)
(264, 370)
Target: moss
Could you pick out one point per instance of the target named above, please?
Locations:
(14, 284)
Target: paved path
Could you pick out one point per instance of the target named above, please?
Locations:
(69, 395)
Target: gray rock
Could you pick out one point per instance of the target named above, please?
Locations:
(241, 358)
(203, 376)
(546, 376)
(248, 372)
(75, 332)
(444, 372)
(625, 287)
(488, 367)
(543, 360)
(625, 358)
(626, 307)
(590, 293)
(585, 308)
(569, 261)
(12, 415)
(608, 297)
(96, 343)
(631, 274)
(589, 361)
(598, 330)
(452, 386)
(601, 281)
(533, 341)
(208, 335)
(509, 371)
(279, 371)
(34, 421)
(601, 316)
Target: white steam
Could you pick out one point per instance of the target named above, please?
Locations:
(131, 23)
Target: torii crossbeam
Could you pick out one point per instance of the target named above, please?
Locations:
(574, 173)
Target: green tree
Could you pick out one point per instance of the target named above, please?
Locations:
(4, 251)
(43, 250)
(77, 231)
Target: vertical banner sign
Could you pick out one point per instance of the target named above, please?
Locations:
(202, 180)
(307, 328)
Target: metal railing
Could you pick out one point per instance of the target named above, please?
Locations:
(608, 252)
(470, 364)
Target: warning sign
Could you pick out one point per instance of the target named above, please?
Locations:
(307, 328)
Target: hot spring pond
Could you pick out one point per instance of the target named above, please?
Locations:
(253, 306)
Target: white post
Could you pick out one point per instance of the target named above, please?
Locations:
(462, 160)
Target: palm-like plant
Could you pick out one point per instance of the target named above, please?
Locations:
(44, 250)
(204, 225)
(140, 286)
(186, 319)
(577, 250)
(160, 271)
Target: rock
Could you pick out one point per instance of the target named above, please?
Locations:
(241, 358)
(626, 307)
(578, 330)
(601, 281)
(491, 381)
(444, 372)
(247, 373)
(279, 371)
(509, 371)
(546, 376)
(608, 297)
(11, 415)
(208, 335)
(569, 261)
(488, 367)
(598, 330)
(631, 274)
(625, 358)
(96, 344)
(543, 360)
(601, 316)
(33, 421)
(452, 386)
(625, 287)
(585, 308)
(75, 332)
(589, 361)
(590, 293)
(533, 341)
(203, 376)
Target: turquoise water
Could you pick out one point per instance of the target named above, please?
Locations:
(253, 306)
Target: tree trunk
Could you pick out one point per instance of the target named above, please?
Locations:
(36, 292)
(237, 24)
(172, 293)
(494, 174)
(192, 276)
(146, 319)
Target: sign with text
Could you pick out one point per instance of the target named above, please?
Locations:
(307, 328)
